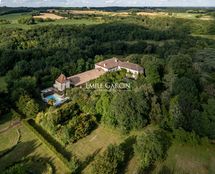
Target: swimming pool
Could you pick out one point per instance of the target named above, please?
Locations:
(58, 100)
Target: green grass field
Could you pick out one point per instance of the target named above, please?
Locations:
(98, 140)
(190, 159)
(8, 139)
(29, 146)
(191, 16)
(182, 159)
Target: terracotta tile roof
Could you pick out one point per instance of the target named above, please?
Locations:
(82, 78)
(131, 66)
(109, 63)
(61, 79)
(114, 62)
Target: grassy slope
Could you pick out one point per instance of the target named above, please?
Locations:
(190, 159)
(183, 159)
(8, 139)
(98, 140)
(29, 146)
(94, 144)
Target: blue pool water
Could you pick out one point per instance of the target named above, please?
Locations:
(58, 99)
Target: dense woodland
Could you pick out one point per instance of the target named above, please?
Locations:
(177, 93)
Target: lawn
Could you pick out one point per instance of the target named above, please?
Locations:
(3, 85)
(94, 144)
(189, 159)
(97, 141)
(8, 139)
(29, 146)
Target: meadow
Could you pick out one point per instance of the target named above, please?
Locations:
(185, 158)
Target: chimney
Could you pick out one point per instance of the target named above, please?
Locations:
(105, 64)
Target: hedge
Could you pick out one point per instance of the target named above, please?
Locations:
(68, 164)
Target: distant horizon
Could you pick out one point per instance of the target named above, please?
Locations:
(108, 3)
(108, 6)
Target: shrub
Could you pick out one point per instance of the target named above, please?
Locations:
(110, 161)
(150, 147)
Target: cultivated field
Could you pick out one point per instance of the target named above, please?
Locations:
(97, 12)
(49, 16)
(13, 19)
(152, 14)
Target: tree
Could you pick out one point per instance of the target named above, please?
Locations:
(176, 115)
(155, 113)
(180, 65)
(27, 20)
(102, 107)
(109, 162)
(27, 106)
(150, 147)
(204, 123)
(184, 85)
(184, 102)
(31, 109)
(130, 110)
(152, 72)
(98, 58)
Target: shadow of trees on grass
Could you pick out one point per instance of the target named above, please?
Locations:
(22, 150)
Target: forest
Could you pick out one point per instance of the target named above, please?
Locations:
(173, 102)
